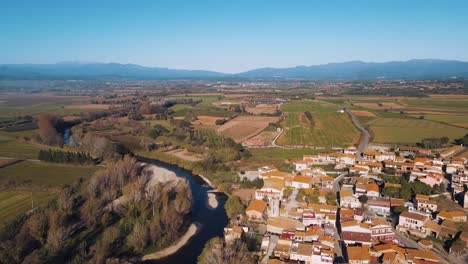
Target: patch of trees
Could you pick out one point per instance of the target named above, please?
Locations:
(86, 224)
(185, 101)
(463, 140)
(156, 131)
(434, 142)
(48, 129)
(409, 189)
(59, 156)
(234, 206)
(257, 183)
(220, 122)
(310, 118)
(217, 251)
(309, 196)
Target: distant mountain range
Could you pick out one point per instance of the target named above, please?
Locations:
(353, 70)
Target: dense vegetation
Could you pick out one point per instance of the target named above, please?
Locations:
(87, 224)
(59, 156)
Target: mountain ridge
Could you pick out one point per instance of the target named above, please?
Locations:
(351, 70)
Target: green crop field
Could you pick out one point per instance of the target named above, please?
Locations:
(328, 127)
(446, 118)
(41, 174)
(13, 203)
(438, 104)
(15, 149)
(407, 130)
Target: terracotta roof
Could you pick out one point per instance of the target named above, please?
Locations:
(274, 183)
(274, 173)
(372, 187)
(425, 242)
(428, 255)
(285, 223)
(358, 253)
(451, 215)
(257, 205)
(302, 179)
(349, 223)
(414, 216)
(327, 178)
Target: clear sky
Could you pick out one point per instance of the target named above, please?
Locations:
(231, 35)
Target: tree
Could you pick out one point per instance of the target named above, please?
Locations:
(287, 191)
(234, 206)
(216, 251)
(331, 198)
(139, 237)
(391, 191)
(363, 199)
(47, 130)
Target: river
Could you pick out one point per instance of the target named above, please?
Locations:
(211, 222)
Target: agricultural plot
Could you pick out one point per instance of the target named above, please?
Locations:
(325, 127)
(12, 148)
(13, 203)
(262, 109)
(409, 130)
(43, 175)
(438, 104)
(242, 128)
(206, 121)
(456, 120)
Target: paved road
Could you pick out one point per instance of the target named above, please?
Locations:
(336, 182)
(365, 134)
(273, 241)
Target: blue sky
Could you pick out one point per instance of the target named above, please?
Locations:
(231, 36)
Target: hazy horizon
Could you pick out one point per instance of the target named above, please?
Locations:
(232, 37)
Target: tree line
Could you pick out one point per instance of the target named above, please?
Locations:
(59, 156)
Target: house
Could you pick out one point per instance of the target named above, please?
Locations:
(233, 233)
(369, 154)
(353, 232)
(456, 216)
(267, 168)
(301, 182)
(282, 248)
(351, 150)
(301, 165)
(423, 204)
(346, 159)
(272, 189)
(379, 205)
(432, 179)
(427, 244)
(381, 230)
(313, 233)
(359, 170)
(421, 256)
(372, 189)
(277, 225)
(273, 174)
(257, 210)
(358, 255)
(301, 252)
(327, 182)
(322, 254)
(417, 225)
(347, 200)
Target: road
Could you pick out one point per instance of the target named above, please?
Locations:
(365, 134)
(336, 182)
(273, 241)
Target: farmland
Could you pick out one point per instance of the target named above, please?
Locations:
(43, 175)
(411, 130)
(327, 127)
(244, 127)
(13, 203)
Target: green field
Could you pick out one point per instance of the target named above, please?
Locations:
(12, 148)
(438, 104)
(407, 130)
(43, 175)
(13, 203)
(446, 118)
(328, 127)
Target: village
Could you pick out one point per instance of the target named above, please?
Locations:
(378, 206)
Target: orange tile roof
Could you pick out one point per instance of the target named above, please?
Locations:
(358, 253)
(302, 179)
(257, 205)
(372, 187)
